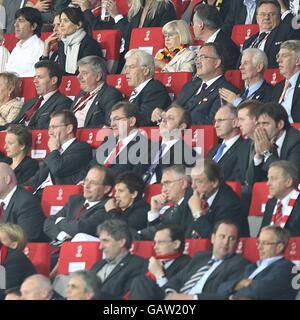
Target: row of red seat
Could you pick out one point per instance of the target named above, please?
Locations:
(82, 255)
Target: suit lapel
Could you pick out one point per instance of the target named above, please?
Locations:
(94, 105)
(10, 206)
(118, 267)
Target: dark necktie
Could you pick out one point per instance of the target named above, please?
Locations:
(196, 97)
(219, 153)
(29, 113)
(133, 95)
(149, 173)
(171, 212)
(81, 211)
(80, 104)
(196, 277)
(259, 40)
(245, 94)
(113, 155)
(275, 150)
(2, 211)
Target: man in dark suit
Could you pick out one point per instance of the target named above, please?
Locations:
(253, 65)
(19, 206)
(176, 189)
(271, 278)
(287, 92)
(148, 93)
(67, 155)
(83, 213)
(283, 208)
(273, 30)
(207, 27)
(92, 106)
(119, 267)
(213, 268)
(201, 96)
(213, 200)
(35, 113)
(225, 153)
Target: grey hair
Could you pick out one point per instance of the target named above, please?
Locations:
(258, 56)
(92, 283)
(97, 64)
(144, 58)
(179, 170)
(232, 109)
(43, 282)
(282, 235)
(292, 45)
(289, 170)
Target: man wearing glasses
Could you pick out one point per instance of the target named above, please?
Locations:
(268, 279)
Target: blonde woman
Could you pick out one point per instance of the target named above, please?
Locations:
(12, 236)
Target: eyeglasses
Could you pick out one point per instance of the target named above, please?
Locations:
(220, 120)
(267, 14)
(203, 57)
(117, 119)
(266, 243)
(168, 182)
(56, 126)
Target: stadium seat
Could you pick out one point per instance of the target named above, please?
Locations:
(45, 35)
(119, 82)
(202, 141)
(242, 32)
(173, 81)
(149, 39)
(236, 187)
(260, 196)
(296, 125)
(40, 255)
(39, 148)
(93, 136)
(110, 41)
(235, 78)
(247, 247)
(69, 86)
(78, 256)
(151, 190)
(10, 41)
(2, 142)
(185, 4)
(27, 88)
(273, 76)
(122, 6)
(292, 251)
(144, 249)
(193, 246)
(55, 197)
(195, 2)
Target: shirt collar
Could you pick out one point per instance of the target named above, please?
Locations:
(254, 87)
(231, 141)
(27, 43)
(211, 199)
(212, 38)
(293, 79)
(48, 95)
(6, 200)
(118, 259)
(67, 144)
(141, 86)
(279, 141)
(268, 261)
(211, 81)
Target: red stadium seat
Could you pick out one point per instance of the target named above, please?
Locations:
(235, 78)
(152, 190)
(148, 39)
(260, 196)
(119, 82)
(296, 125)
(144, 249)
(45, 35)
(55, 197)
(27, 88)
(248, 248)
(10, 41)
(242, 32)
(273, 76)
(122, 6)
(236, 187)
(185, 5)
(195, 2)
(78, 256)
(2, 142)
(40, 255)
(110, 41)
(173, 81)
(39, 148)
(203, 141)
(193, 246)
(151, 133)
(69, 86)
(93, 136)
(292, 251)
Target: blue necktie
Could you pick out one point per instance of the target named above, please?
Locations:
(219, 153)
(245, 94)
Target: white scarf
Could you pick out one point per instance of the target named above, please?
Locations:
(71, 47)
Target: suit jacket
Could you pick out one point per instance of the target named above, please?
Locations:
(88, 47)
(119, 280)
(229, 160)
(184, 60)
(263, 93)
(99, 111)
(64, 168)
(41, 118)
(153, 95)
(277, 91)
(226, 205)
(96, 23)
(242, 164)
(203, 107)
(293, 222)
(25, 210)
(272, 283)
(277, 36)
(18, 267)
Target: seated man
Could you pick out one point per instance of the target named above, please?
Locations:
(205, 272)
(268, 279)
(213, 200)
(283, 208)
(67, 155)
(83, 213)
(92, 106)
(167, 261)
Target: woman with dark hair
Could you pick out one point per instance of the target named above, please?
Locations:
(17, 145)
(128, 200)
(76, 41)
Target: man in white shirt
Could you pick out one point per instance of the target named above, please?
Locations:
(28, 23)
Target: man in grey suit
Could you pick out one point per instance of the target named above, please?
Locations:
(36, 112)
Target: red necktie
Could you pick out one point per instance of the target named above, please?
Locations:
(81, 211)
(96, 11)
(32, 110)
(2, 211)
(276, 218)
(80, 104)
(203, 206)
(113, 155)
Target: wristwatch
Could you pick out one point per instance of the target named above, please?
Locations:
(267, 153)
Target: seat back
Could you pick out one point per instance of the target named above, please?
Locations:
(55, 197)
(78, 256)
(27, 88)
(296, 125)
(69, 86)
(242, 32)
(10, 41)
(148, 39)
(173, 81)
(93, 136)
(273, 76)
(247, 247)
(122, 6)
(204, 137)
(40, 255)
(144, 249)
(236, 187)
(2, 142)
(235, 78)
(192, 246)
(292, 251)
(152, 190)
(39, 148)
(260, 196)
(119, 82)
